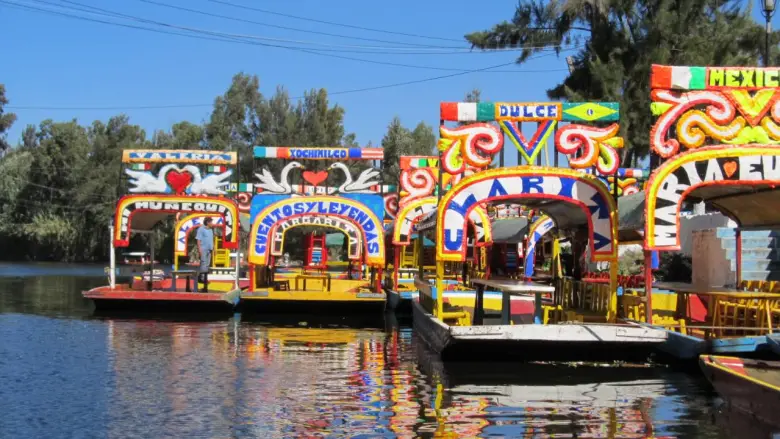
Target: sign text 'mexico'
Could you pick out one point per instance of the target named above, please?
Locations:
(743, 77)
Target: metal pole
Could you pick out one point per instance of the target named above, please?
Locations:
(111, 256)
(238, 253)
(151, 261)
(766, 43)
(649, 286)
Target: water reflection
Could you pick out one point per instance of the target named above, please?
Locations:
(541, 401)
(82, 376)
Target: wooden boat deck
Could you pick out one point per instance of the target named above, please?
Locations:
(532, 342)
(125, 297)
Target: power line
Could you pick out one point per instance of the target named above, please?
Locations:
(358, 90)
(49, 204)
(49, 188)
(242, 41)
(274, 42)
(276, 26)
(313, 20)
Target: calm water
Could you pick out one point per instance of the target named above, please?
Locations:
(65, 373)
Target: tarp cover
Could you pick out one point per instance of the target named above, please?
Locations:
(631, 217)
(751, 206)
(510, 230)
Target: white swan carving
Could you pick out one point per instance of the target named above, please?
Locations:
(269, 184)
(210, 185)
(145, 181)
(363, 182)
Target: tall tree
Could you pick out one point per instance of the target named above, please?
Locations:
(423, 140)
(6, 120)
(183, 135)
(243, 118)
(396, 142)
(618, 41)
(474, 95)
(400, 141)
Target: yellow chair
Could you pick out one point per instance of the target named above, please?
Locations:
(221, 257)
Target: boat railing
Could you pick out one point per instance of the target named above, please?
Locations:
(580, 301)
(427, 301)
(728, 313)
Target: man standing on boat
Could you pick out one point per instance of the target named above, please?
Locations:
(205, 237)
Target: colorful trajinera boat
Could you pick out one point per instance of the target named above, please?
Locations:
(160, 185)
(715, 141)
(314, 276)
(412, 252)
(572, 317)
(750, 386)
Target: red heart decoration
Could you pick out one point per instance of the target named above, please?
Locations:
(178, 180)
(315, 178)
(730, 168)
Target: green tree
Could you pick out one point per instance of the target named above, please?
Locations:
(183, 135)
(400, 141)
(6, 120)
(423, 140)
(243, 118)
(619, 40)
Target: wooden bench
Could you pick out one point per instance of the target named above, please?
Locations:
(186, 273)
(325, 278)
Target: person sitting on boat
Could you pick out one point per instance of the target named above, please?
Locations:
(205, 237)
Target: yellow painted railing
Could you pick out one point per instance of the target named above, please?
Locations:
(426, 295)
(580, 301)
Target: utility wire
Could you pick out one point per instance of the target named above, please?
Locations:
(50, 204)
(274, 42)
(242, 41)
(313, 20)
(61, 191)
(309, 31)
(357, 90)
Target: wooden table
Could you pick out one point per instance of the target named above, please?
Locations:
(508, 288)
(684, 290)
(323, 277)
(407, 272)
(186, 273)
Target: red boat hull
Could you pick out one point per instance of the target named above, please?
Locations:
(730, 376)
(123, 297)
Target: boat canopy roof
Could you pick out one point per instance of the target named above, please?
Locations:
(510, 230)
(147, 220)
(565, 214)
(631, 217)
(750, 205)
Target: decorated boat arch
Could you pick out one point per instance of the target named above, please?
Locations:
(160, 184)
(316, 190)
(323, 210)
(186, 225)
(417, 202)
(716, 140)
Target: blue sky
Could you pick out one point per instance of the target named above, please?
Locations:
(64, 62)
